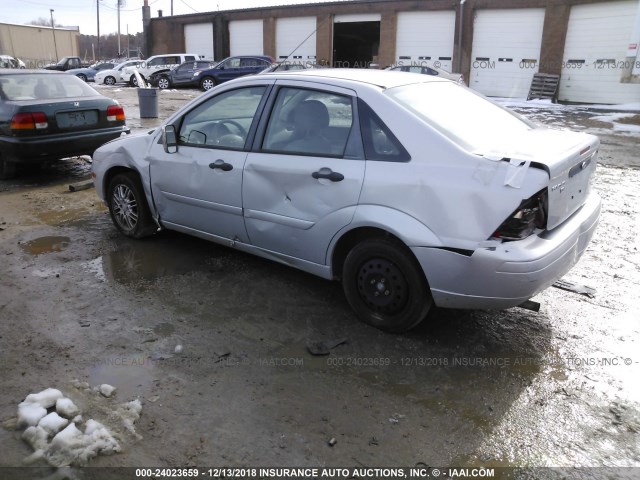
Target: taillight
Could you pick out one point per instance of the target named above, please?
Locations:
(531, 214)
(115, 113)
(29, 121)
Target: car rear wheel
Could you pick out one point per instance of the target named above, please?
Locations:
(207, 83)
(163, 82)
(385, 285)
(82, 77)
(128, 206)
(7, 169)
(110, 80)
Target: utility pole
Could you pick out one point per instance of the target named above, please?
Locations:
(98, 21)
(53, 29)
(119, 1)
(172, 8)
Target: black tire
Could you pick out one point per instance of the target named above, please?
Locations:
(110, 80)
(128, 206)
(7, 169)
(82, 77)
(164, 82)
(207, 83)
(133, 81)
(385, 285)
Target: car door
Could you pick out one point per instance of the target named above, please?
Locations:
(197, 189)
(183, 73)
(302, 179)
(229, 69)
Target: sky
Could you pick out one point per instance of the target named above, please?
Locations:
(83, 12)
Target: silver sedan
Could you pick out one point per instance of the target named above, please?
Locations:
(412, 190)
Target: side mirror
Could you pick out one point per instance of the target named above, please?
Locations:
(169, 139)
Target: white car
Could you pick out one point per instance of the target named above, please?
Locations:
(113, 76)
(412, 190)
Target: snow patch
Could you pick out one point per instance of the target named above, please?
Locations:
(61, 442)
(107, 390)
(53, 423)
(66, 408)
(29, 414)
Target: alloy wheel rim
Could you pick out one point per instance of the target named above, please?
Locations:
(125, 207)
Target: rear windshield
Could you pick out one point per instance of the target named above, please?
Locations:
(39, 86)
(469, 119)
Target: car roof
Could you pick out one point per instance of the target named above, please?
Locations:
(23, 71)
(380, 78)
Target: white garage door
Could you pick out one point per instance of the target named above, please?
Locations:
(425, 38)
(595, 49)
(506, 51)
(299, 34)
(198, 39)
(245, 37)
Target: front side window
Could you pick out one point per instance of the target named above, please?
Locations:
(231, 63)
(309, 122)
(222, 121)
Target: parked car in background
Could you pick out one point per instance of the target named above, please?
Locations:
(286, 66)
(113, 76)
(67, 63)
(156, 63)
(7, 61)
(412, 190)
(230, 68)
(180, 76)
(46, 116)
(428, 70)
(88, 74)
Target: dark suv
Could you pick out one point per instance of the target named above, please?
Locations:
(230, 68)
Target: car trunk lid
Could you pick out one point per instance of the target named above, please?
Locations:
(568, 157)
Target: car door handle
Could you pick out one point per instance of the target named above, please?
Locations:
(222, 165)
(328, 174)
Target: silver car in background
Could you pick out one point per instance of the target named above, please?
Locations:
(412, 190)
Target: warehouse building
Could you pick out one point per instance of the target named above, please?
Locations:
(497, 44)
(35, 45)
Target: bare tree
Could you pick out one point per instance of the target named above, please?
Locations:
(44, 22)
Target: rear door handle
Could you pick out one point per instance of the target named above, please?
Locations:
(222, 165)
(328, 174)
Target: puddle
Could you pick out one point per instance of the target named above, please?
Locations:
(130, 374)
(146, 261)
(42, 245)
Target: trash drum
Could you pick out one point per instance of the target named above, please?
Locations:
(148, 100)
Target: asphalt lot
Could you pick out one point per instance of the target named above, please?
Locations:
(80, 303)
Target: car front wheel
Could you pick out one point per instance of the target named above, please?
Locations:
(128, 206)
(385, 285)
(163, 82)
(110, 80)
(82, 77)
(207, 83)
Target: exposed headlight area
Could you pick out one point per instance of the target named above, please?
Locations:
(529, 216)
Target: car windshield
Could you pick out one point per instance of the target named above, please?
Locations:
(43, 86)
(469, 119)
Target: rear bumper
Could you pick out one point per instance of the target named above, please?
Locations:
(507, 274)
(53, 147)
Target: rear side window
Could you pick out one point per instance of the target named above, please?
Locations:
(379, 142)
